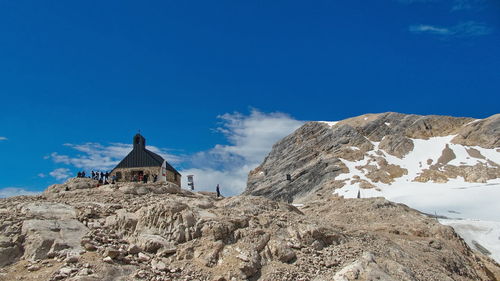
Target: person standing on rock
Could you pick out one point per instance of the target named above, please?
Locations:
(145, 179)
(217, 189)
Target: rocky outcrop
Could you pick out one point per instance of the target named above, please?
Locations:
(361, 150)
(10, 250)
(396, 145)
(52, 230)
(50, 238)
(105, 233)
(484, 133)
(376, 126)
(72, 184)
(288, 171)
(442, 173)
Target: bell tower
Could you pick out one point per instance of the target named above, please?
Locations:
(139, 142)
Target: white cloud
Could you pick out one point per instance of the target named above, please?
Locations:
(15, 191)
(60, 173)
(42, 175)
(96, 156)
(424, 28)
(461, 30)
(251, 138)
(3, 138)
(231, 181)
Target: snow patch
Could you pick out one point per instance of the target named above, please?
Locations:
(472, 122)
(490, 154)
(329, 123)
(471, 208)
(416, 160)
(455, 199)
(484, 233)
(353, 171)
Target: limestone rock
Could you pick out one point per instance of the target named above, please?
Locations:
(363, 269)
(310, 161)
(396, 145)
(9, 251)
(134, 249)
(158, 265)
(484, 133)
(56, 236)
(49, 210)
(191, 236)
(72, 184)
(153, 243)
(143, 257)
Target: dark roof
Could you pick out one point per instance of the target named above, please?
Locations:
(141, 157)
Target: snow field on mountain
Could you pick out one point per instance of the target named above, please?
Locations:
(486, 233)
(473, 209)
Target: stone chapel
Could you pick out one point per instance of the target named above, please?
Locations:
(140, 162)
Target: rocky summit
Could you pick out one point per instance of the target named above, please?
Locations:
(136, 231)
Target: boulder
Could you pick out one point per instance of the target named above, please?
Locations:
(72, 184)
(364, 268)
(48, 210)
(9, 251)
(153, 243)
(52, 236)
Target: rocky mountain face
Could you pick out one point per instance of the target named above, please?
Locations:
(135, 231)
(378, 149)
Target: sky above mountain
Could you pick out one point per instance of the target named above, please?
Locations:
(213, 84)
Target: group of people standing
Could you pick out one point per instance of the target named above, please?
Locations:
(144, 178)
(103, 179)
(100, 176)
(96, 175)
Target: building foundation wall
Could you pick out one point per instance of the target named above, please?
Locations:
(126, 174)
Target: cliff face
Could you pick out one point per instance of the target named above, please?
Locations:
(76, 231)
(378, 149)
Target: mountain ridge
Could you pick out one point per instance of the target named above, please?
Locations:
(440, 165)
(317, 144)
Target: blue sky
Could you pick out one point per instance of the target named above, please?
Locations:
(212, 84)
